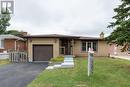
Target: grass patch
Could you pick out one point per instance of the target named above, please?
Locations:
(4, 61)
(107, 73)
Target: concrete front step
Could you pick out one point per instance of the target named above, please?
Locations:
(68, 56)
(68, 60)
(68, 63)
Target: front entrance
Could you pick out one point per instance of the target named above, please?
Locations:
(65, 47)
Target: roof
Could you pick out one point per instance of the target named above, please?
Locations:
(50, 36)
(9, 36)
(62, 36)
(90, 38)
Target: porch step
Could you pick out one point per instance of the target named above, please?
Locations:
(68, 63)
(68, 56)
(68, 60)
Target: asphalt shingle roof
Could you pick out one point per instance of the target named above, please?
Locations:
(9, 36)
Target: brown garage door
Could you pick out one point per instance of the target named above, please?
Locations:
(42, 52)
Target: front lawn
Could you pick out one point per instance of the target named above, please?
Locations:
(107, 73)
(4, 61)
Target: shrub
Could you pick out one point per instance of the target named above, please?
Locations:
(57, 59)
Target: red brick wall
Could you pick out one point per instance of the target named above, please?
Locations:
(9, 45)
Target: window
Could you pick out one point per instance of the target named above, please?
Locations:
(89, 44)
(1, 43)
(94, 46)
(62, 50)
(83, 46)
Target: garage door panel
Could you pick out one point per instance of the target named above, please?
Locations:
(42, 52)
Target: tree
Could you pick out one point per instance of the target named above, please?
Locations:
(121, 25)
(4, 21)
(15, 32)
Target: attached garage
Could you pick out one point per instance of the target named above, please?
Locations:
(42, 52)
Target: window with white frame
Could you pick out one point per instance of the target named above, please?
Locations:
(1, 43)
(89, 44)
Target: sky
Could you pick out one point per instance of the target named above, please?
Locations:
(69, 17)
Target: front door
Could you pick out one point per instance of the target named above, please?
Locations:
(66, 44)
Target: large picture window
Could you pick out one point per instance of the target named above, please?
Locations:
(89, 44)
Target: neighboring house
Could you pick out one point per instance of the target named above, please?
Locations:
(11, 43)
(44, 47)
(124, 50)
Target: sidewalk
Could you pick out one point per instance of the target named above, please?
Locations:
(127, 57)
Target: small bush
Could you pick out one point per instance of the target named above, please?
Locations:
(57, 59)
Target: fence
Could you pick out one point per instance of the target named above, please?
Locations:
(18, 57)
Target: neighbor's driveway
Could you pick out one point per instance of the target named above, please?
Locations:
(19, 74)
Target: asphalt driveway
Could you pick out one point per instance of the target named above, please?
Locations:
(19, 74)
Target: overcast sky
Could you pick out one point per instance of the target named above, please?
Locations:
(71, 17)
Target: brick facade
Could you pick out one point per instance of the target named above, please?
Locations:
(9, 45)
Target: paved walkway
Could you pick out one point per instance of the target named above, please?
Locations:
(127, 57)
(19, 74)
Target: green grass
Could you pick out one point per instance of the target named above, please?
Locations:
(4, 61)
(107, 73)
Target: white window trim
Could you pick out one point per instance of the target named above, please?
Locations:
(91, 46)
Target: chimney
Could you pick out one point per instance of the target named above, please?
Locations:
(101, 35)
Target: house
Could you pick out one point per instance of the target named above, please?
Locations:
(117, 50)
(44, 47)
(11, 43)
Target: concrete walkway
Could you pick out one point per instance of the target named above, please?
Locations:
(68, 63)
(19, 74)
(127, 57)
